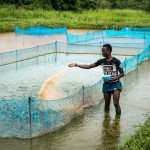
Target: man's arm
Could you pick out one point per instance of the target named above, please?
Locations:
(82, 66)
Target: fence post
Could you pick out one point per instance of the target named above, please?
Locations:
(137, 61)
(67, 37)
(125, 65)
(149, 52)
(56, 49)
(56, 44)
(144, 40)
(86, 37)
(38, 54)
(16, 59)
(30, 117)
(103, 36)
(100, 50)
(83, 95)
(23, 40)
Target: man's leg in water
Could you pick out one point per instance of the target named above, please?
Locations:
(107, 97)
(116, 97)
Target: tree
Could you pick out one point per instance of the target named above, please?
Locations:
(88, 4)
(113, 3)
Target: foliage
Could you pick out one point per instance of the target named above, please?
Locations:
(78, 5)
(140, 140)
(87, 19)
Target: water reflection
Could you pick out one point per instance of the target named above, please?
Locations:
(95, 130)
(110, 132)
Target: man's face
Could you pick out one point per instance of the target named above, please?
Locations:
(105, 51)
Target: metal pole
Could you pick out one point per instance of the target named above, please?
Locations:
(125, 65)
(30, 118)
(86, 38)
(149, 53)
(102, 36)
(38, 55)
(148, 59)
(23, 40)
(100, 50)
(56, 48)
(83, 95)
(125, 70)
(138, 59)
(144, 40)
(16, 59)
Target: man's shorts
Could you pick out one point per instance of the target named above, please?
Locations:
(110, 87)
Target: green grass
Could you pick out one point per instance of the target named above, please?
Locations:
(140, 140)
(98, 19)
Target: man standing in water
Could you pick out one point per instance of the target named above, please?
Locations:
(110, 66)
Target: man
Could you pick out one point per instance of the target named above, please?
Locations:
(111, 66)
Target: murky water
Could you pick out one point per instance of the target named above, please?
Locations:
(25, 78)
(11, 41)
(95, 130)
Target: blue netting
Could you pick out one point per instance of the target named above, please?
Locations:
(133, 62)
(147, 41)
(7, 57)
(26, 118)
(122, 38)
(93, 94)
(14, 118)
(77, 49)
(136, 29)
(23, 54)
(84, 37)
(144, 55)
(117, 33)
(59, 47)
(53, 114)
(41, 30)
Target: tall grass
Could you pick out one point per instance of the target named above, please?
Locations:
(98, 19)
(140, 140)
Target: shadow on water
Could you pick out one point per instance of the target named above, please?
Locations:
(95, 130)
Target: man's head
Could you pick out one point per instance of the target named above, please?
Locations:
(106, 50)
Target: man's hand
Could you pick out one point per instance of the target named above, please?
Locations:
(113, 79)
(73, 65)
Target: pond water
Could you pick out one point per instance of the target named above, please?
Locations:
(95, 130)
(24, 79)
(11, 41)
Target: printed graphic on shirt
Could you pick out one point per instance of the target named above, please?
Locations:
(110, 70)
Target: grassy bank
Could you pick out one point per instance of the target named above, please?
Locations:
(140, 140)
(98, 19)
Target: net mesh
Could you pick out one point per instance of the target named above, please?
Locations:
(14, 118)
(31, 117)
(40, 30)
(136, 29)
(49, 115)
